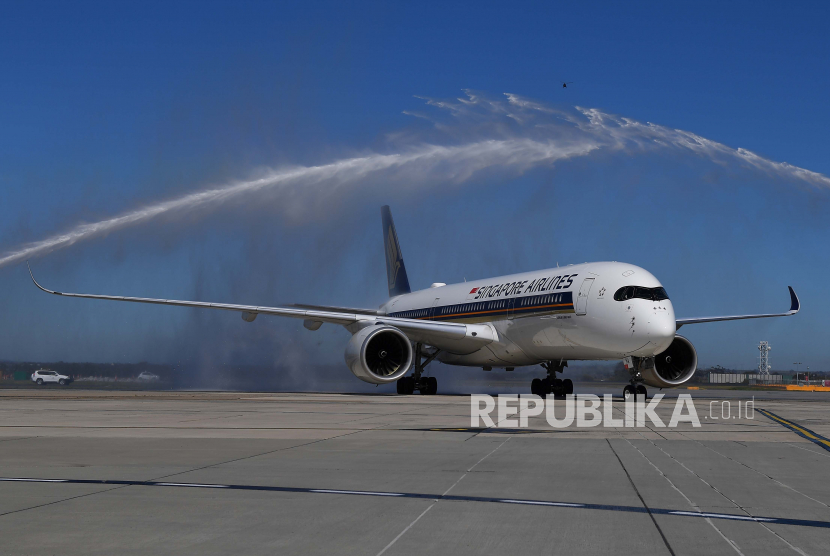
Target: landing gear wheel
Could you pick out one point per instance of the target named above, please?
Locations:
(406, 386)
(428, 386)
(558, 387)
(536, 387)
(641, 391)
(569, 386)
(546, 388)
(628, 391)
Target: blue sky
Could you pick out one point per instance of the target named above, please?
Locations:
(107, 107)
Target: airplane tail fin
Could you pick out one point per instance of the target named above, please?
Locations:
(395, 270)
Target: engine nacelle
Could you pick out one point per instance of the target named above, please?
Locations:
(672, 367)
(379, 354)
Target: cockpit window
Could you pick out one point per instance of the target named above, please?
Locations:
(639, 292)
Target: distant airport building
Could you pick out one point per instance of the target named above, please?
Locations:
(743, 378)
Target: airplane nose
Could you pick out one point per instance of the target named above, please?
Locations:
(662, 325)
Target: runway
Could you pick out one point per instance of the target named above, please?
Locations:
(86, 472)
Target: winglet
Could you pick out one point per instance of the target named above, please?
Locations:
(38, 285)
(795, 305)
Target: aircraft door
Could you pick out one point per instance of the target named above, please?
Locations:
(510, 306)
(582, 298)
(433, 312)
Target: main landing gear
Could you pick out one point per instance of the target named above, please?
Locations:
(427, 385)
(550, 384)
(635, 389)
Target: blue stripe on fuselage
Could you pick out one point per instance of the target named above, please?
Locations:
(522, 306)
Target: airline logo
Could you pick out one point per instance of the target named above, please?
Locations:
(392, 257)
(516, 288)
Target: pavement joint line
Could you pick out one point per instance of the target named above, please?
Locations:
(408, 527)
(642, 501)
(52, 503)
(803, 432)
(425, 496)
(808, 450)
(698, 511)
(442, 497)
(258, 455)
(124, 484)
(758, 472)
(734, 503)
(18, 438)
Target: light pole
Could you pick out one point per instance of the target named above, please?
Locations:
(797, 372)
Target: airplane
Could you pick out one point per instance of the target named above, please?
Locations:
(591, 311)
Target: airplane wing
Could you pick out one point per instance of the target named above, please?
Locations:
(442, 335)
(795, 305)
(335, 309)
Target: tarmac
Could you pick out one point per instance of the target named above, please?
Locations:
(101, 472)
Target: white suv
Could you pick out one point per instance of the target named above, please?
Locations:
(41, 377)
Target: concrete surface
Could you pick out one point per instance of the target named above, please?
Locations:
(256, 460)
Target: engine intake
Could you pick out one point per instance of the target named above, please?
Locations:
(379, 354)
(674, 366)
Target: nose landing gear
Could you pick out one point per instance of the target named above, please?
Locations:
(635, 387)
(550, 384)
(635, 390)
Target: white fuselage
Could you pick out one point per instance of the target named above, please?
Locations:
(567, 313)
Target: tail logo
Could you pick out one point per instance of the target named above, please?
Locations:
(392, 256)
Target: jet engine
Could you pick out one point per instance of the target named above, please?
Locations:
(672, 367)
(379, 354)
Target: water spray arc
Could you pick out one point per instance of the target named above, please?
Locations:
(511, 135)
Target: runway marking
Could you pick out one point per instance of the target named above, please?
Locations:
(196, 485)
(803, 432)
(358, 492)
(539, 503)
(479, 430)
(722, 516)
(38, 480)
(450, 497)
